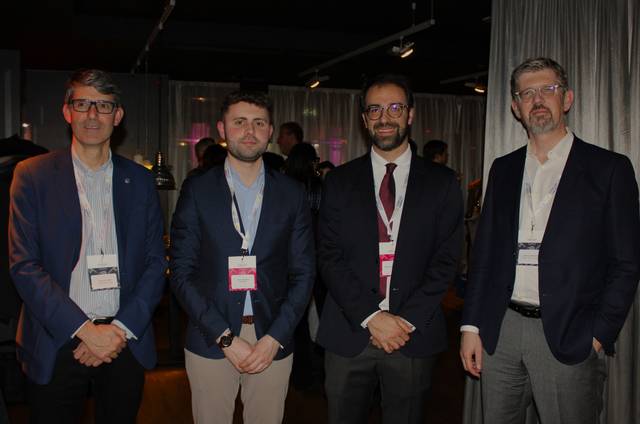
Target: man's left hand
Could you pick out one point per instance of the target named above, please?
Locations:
(83, 355)
(263, 353)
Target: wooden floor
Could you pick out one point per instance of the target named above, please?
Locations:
(167, 396)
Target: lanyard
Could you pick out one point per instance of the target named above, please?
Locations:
(533, 212)
(392, 231)
(235, 215)
(99, 235)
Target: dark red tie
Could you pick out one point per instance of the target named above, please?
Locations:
(388, 199)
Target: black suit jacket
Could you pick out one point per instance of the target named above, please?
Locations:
(589, 257)
(427, 253)
(203, 238)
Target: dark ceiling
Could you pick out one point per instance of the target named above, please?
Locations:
(254, 42)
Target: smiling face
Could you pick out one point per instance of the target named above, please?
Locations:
(544, 113)
(91, 128)
(247, 130)
(387, 133)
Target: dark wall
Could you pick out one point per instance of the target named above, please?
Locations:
(9, 93)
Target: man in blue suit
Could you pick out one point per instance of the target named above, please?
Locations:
(87, 258)
(555, 265)
(242, 266)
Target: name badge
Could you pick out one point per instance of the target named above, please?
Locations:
(242, 273)
(103, 272)
(528, 254)
(386, 251)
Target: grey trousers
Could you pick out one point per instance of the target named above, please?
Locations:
(215, 382)
(523, 369)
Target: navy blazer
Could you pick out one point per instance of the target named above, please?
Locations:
(202, 240)
(45, 234)
(428, 248)
(589, 258)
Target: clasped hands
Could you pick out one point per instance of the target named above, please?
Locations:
(252, 359)
(99, 344)
(388, 332)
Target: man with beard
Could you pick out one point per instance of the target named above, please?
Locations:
(243, 265)
(390, 234)
(555, 263)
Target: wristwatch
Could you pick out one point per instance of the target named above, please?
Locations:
(226, 340)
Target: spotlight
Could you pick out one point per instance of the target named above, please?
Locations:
(316, 80)
(404, 50)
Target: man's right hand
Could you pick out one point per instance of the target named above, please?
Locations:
(237, 352)
(104, 341)
(471, 353)
(388, 331)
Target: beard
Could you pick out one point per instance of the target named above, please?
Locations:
(243, 154)
(540, 124)
(390, 142)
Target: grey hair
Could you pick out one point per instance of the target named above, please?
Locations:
(535, 65)
(96, 78)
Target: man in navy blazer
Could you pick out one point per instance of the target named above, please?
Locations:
(242, 266)
(382, 324)
(87, 258)
(555, 265)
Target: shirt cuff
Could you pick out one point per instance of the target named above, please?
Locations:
(413, 327)
(128, 332)
(470, 329)
(367, 319)
(75, 333)
(224, 333)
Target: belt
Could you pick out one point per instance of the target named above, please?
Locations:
(528, 311)
(98, 321)
(247, 319)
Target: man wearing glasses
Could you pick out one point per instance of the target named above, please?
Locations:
(87, 257)
(555, 264)
(390, 235)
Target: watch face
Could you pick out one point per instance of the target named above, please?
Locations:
(225, 341)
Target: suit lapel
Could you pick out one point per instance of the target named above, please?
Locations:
(510, 186)
(267, 211)
(122, 197)
(566, 193)
(65, 185)
(412, 197)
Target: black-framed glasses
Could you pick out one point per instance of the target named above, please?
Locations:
(394, 110)
(102, 106)
(545, 91)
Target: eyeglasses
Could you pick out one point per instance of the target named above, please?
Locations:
(102, 106)
(394, 110)
(545, 91)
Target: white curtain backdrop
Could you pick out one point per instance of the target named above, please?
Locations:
(331, 121)
(597, 43)
(193, 111)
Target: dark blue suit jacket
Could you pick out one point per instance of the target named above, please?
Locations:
(589, 262)
(45, 233)
(203, 238)
(428, 248)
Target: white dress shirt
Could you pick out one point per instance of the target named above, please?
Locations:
(400, 178)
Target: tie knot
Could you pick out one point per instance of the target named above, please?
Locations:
(390, 167)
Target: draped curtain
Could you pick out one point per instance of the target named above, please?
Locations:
(331, 121)
(596, 41)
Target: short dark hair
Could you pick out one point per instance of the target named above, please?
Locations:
(535, 65)
(433, 148)
(100, 80)
(202, 145)
(295, 129)
(385, 79)
(256, 98)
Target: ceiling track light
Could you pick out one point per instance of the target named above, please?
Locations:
(404, 50)
(316, 80)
